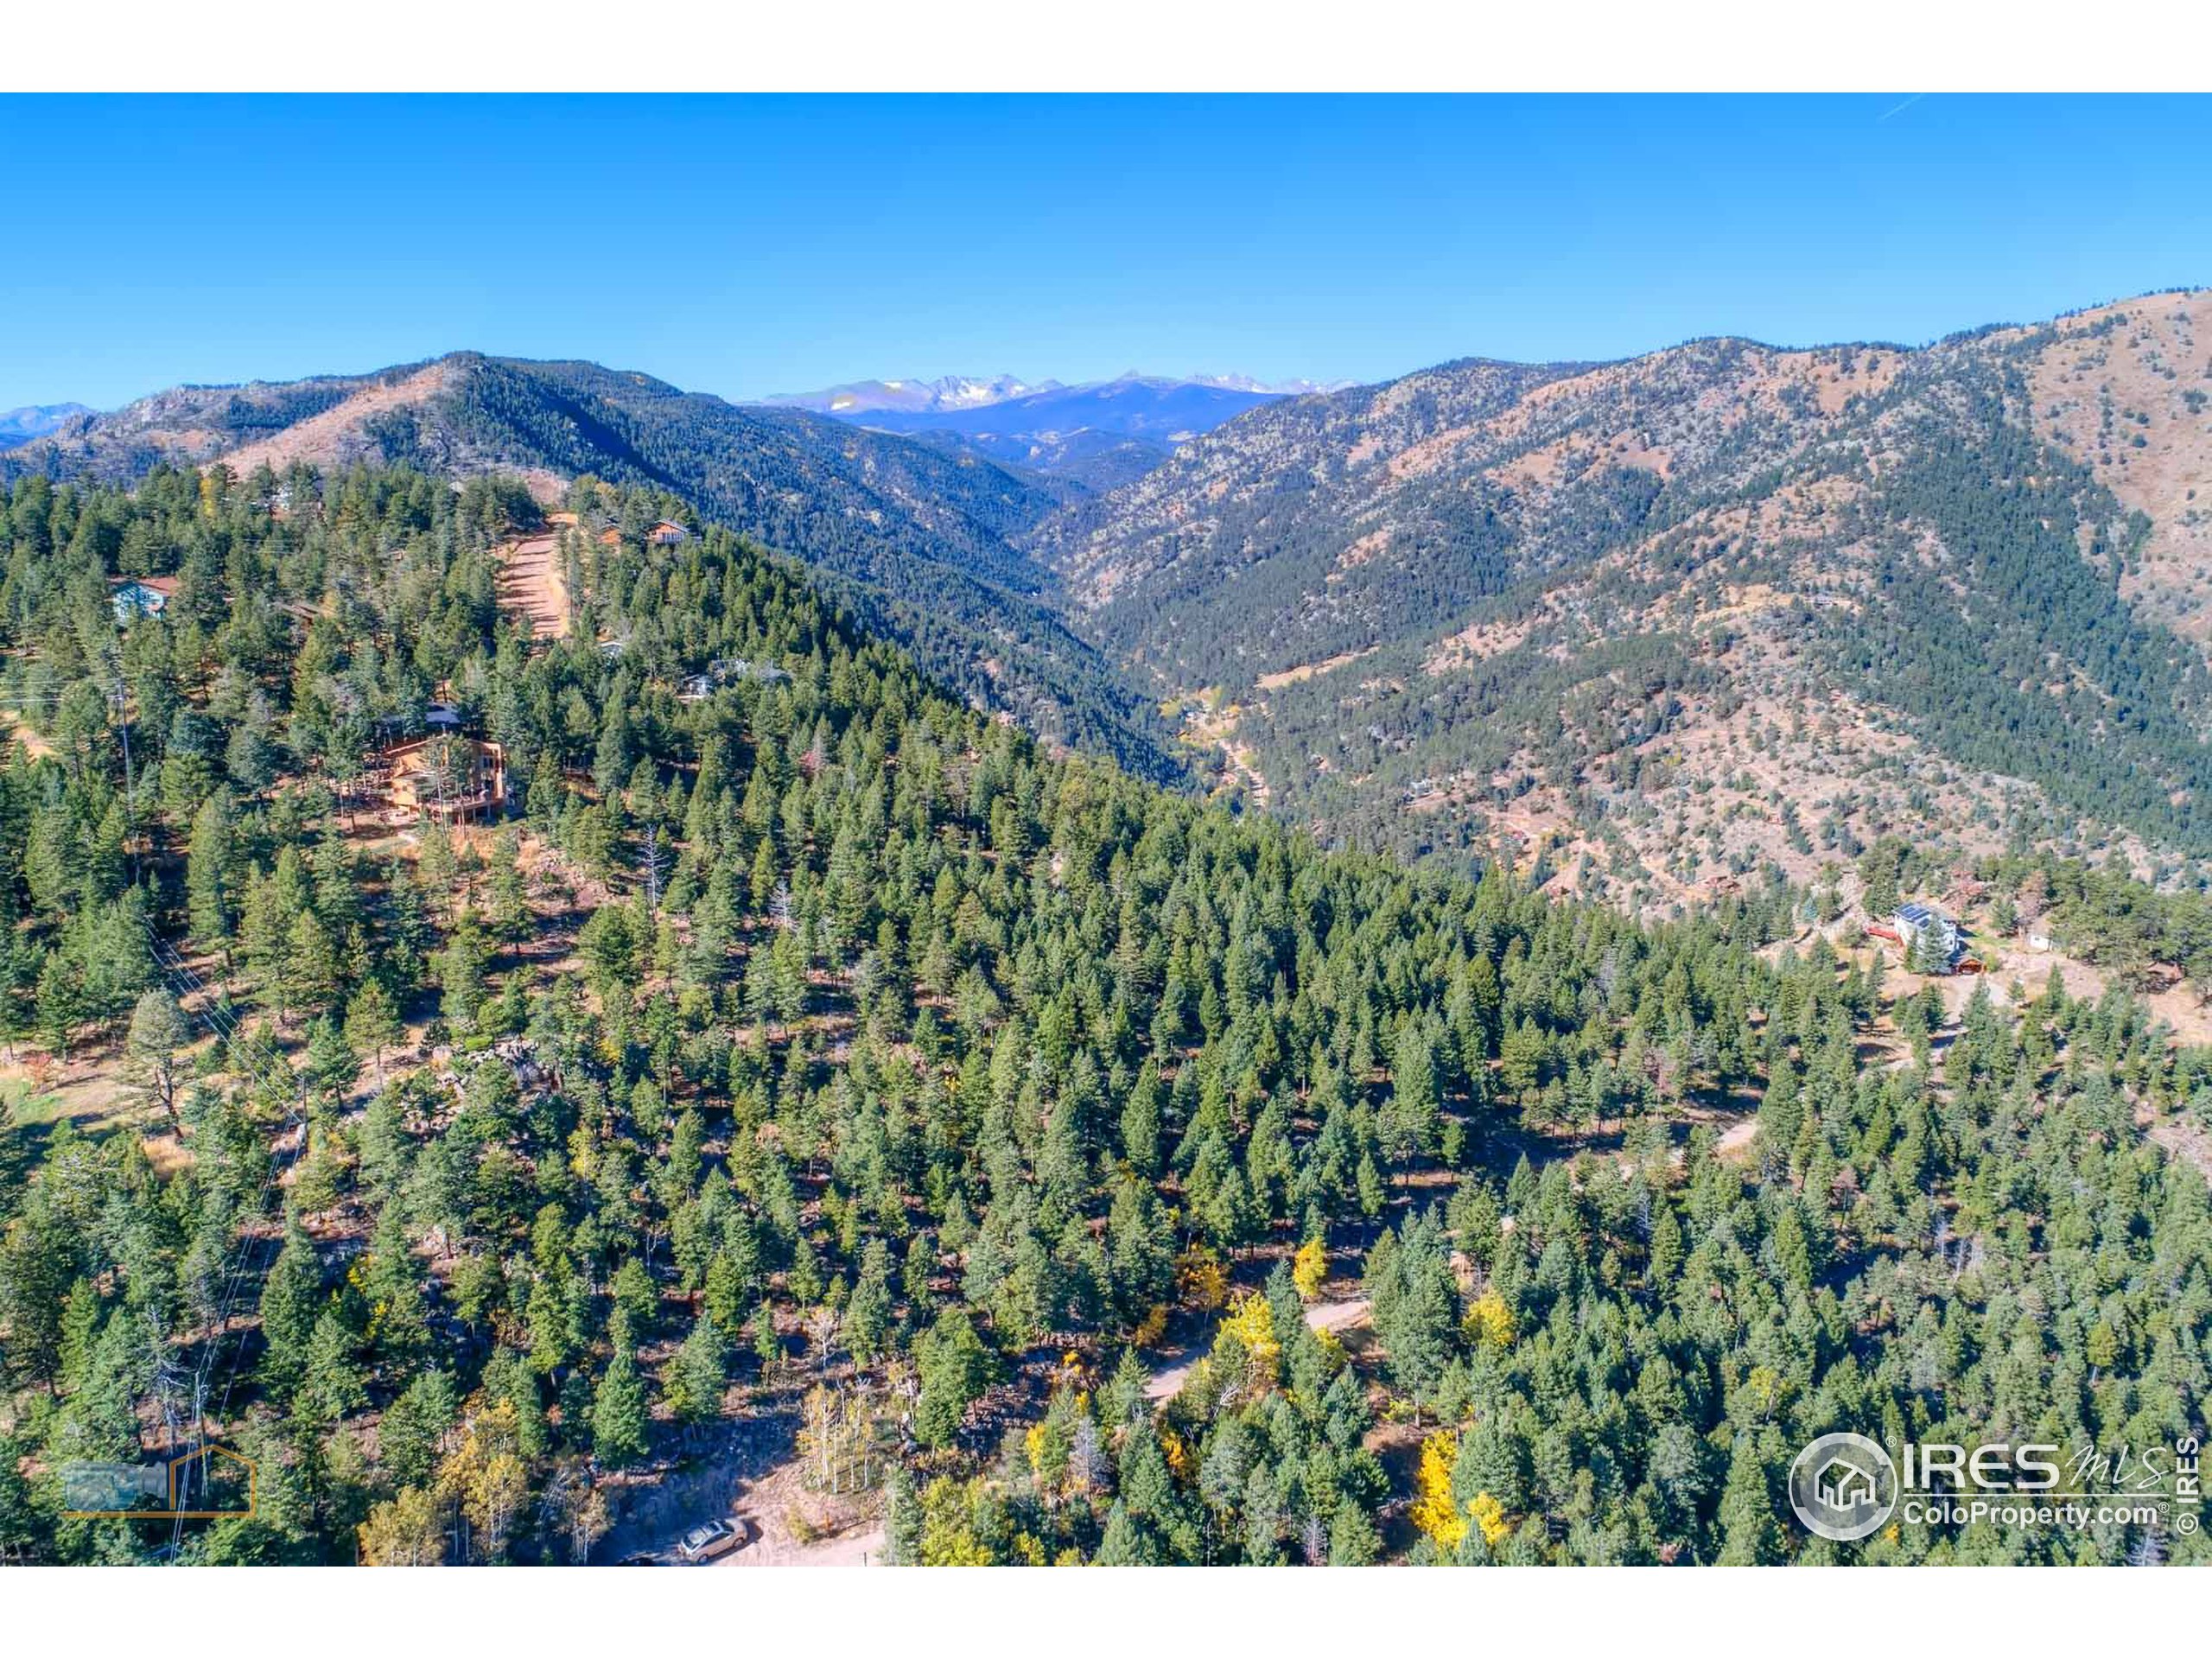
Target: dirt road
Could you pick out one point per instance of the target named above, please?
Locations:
(1321, 1316)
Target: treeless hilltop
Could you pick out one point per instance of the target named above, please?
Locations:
(339, 437)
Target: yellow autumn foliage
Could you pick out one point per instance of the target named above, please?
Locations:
(1489, 1321)
(409, 1531)
(1766, 1389)
(1309, 1268)
(1434, 1511)
(583, 1152)
(1202, 1278)
(948, 1525)
(1254, 1323)
(1490, 1516)
(1333, 1355)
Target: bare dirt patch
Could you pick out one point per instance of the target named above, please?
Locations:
(334, 437)
(1212, 728)
(1372, 545)
(1471, 644)
(2124, 389)
(1418, 459)
(2085, 981)
(531, 585)
(1310, 671)
(789, 1526)
(1340, 1315)
(13, 729)
(2185, 1141)
(1736, 1142)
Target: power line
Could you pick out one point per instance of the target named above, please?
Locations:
(263, 1066)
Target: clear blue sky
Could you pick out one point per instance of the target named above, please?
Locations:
(752, 245)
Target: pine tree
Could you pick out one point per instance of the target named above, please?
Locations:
(621, 1422)
(700, 1372)
(371, 1022)
(868, 1314)
(291, 1300)
(955, 1367)
(331, 1383)
(1749, 1534)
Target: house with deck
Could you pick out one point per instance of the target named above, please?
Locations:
(450, 779)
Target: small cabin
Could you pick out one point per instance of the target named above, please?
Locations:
(668, 533)
(138, 597)
(695, 688)
(442, 717)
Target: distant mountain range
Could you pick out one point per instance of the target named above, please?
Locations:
(36, 421)
(952, 392)
(1096, 436)
(1293, 388)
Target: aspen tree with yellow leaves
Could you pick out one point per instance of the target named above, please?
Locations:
(1309, 1268)
(1435, 1511)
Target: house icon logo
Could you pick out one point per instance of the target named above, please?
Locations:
(1843, 1484)
(1843, 1487)
(210, 1483)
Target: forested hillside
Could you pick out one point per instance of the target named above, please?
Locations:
(915, 537)
(1651, 629)
(795, 1070)
(1714, 612)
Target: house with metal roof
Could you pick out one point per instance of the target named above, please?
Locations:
(137, 596)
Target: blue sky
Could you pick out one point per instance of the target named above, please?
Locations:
(752, 245)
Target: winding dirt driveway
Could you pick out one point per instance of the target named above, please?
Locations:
(1320, 1316)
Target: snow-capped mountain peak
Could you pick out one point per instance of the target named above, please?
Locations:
(913, 396)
